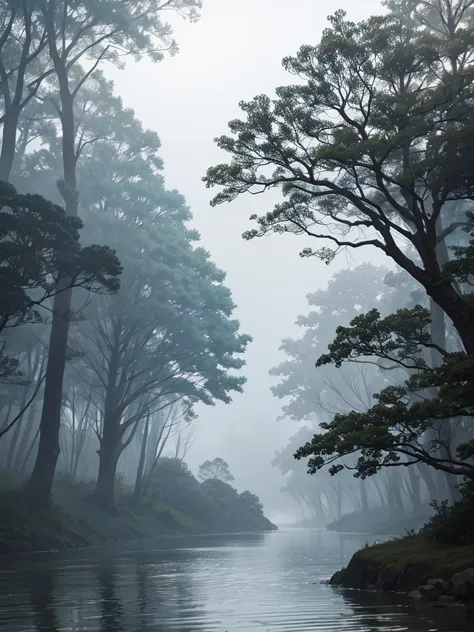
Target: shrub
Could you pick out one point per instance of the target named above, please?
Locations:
(453, 524)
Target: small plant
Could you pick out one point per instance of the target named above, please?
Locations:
(452, 524)
(411, 533)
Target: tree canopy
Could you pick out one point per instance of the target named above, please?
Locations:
(215, 470)
(39, 246)
(357, 146)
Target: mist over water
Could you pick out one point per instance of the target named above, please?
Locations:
(268, 582)
(169, 375)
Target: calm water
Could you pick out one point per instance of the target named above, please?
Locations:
(264, 582)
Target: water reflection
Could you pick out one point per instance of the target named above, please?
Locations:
(384, 611)
(259, 583)
(41, 588)
(112, 615)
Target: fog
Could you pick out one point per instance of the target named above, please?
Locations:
(234, 53)
(160, 369)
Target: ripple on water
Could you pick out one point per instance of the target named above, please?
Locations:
(259, 582)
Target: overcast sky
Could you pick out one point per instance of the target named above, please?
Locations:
(233, 53)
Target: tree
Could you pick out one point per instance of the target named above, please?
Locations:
(166, 336)
(217, 506)
(39, 246)
(23, 67)
(307, 394)
(357, 147)
(77, 32)
(215, 470)
(75, 429)
(315, 396)
(152, 440)
(251, 502)
(392, 432)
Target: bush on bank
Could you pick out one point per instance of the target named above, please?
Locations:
(175, 504)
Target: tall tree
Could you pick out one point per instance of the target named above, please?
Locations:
(90, 32)
(357, 147)
(39, 246)
(216, 469)
(168, 335)
(23, 67)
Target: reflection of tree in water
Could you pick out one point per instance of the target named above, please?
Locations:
(112, 610)
(379, 611)
(166, 599)
(40, 587)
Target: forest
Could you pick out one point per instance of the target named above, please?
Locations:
(371, 149)
(115, 321)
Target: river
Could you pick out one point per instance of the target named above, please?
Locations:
(256, 582)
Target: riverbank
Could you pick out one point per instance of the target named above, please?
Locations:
(410, 565)
(375, 521)
(76, 521)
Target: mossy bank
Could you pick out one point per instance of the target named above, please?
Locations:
(406, 565)
(75, 520)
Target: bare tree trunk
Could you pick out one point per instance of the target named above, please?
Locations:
(7, 153)
(383, 499)
(16, 432)
(414, 489)
(29, 453)
(26, 438)
(363, 496)
(137, 491)
(105, 488)
(442, 430)
(39, 486)
(425, 473)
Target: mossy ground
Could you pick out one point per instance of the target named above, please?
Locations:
(75, 520)
(398, 554)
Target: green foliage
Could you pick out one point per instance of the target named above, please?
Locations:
(404, 425)
(39, 247)
(452, 525)
(399, 338)
(388, 433)
(357, 145)
(213, 503)
(461, 267)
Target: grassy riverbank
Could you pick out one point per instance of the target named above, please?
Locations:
(404, 564)
(75, 520)
(444, 561)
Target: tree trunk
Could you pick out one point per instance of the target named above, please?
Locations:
(7, 153)
(339, 504)
(105, 488)
(38, 488)
(415, 495)
(462, 315)
(425, 473)
(26, 438)
(29, 453)
(137, 491)
(363, 497)
(383, 499)
(16, 431)
(109, 451)
(443, 429)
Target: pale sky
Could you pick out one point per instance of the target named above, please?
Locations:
(234, 53)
